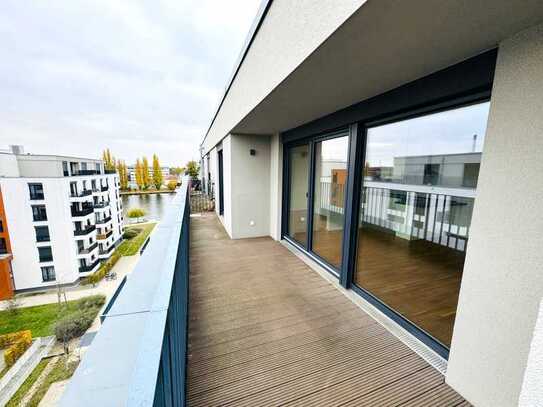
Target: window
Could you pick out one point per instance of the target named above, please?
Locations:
(97, 168)
(299, 181)
(329, 198)
(1, 225)
(36, 191)
(412, 239)
(42, 233)
(3, 246)
(48, 274)
(39, 213)
(65, 168)
(45, 254)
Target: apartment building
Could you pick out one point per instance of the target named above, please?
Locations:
(131, 169)
(64, 216)
(396, 146)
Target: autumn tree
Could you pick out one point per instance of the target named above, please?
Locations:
(157, 173)
(139, 174)
(146, 176)
(109, 160)
(123, 174)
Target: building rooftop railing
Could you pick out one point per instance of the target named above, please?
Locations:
(138, 357)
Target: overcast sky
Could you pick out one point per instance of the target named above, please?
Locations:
(135, 76)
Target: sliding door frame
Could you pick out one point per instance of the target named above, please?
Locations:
(464, 84)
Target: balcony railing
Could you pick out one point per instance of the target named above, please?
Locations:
(87, 250)
(103, 236)
(110, 171)
(85, 192)
(104, 188)
(86, 231)
(85, 172)
(104, 220)
(89, 267)
(138, 357)
(83, 211)
(106, 251)
(101, 205)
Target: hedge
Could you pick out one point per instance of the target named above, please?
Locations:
(18, 343)
(103, 270)
(74, 325)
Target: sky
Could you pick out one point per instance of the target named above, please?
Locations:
(137, 77)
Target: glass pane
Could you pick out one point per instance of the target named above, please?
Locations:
(329, 200)
(299, 180)
(419, 184)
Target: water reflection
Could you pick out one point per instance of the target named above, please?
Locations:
(154, 205)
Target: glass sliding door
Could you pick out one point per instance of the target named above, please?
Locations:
(418, 189)
(331, 158)
(299, 160)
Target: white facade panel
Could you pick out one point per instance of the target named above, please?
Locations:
(502, 284)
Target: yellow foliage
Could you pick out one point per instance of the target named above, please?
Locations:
(18, 343)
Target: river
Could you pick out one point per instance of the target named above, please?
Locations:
(154, 205)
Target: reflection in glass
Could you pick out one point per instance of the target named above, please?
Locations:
(419, 183)
(329, 199)
(299, 181)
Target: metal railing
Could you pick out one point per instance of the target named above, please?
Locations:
(200, 201)
(87, 210)
(89, 267)
(77, 194)
(104, 220)
(87, 230)
(138, 357)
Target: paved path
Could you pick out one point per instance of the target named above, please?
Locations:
(124, 266)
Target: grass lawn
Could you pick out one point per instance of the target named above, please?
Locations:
(61, 371)
(39, 319)
(132, 246)
(27, 384)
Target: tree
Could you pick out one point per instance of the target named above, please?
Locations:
(139, 174)
(123, 174)
(171, 185)
(157, 173)
(136, 213)
(109, 160)
(177, 170)
(192, 169)
(146, 177)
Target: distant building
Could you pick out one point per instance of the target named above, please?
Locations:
(131, 170)
(60, 217)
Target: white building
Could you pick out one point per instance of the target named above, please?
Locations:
(131, 170)
(64, 217)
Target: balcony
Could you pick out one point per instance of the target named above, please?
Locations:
(85, 172)
(101, 205)
(110, 171)
(104, 220)
(87, 250)
(89, 267)
(106, 251)
(104, 188)
(86, 231)
(85, 192)
(264, 329)
(103, 236)
(82, 212)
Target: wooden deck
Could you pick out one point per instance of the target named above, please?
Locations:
(266, 330)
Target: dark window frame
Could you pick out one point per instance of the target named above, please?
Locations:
(39, 215)
(461, 85)
(44, 258)
(48, 274)
(42, 238)
(35, 195)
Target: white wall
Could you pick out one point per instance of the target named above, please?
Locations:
(250, 183)
(503, 275)
(226, 217)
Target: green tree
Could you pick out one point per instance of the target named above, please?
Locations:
(177, 170)
(157, 173)
(146, 176)
(139, 174)
(192, 169)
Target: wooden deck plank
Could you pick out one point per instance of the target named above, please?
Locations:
(264, 329)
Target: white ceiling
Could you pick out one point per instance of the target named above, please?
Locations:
(385, 44)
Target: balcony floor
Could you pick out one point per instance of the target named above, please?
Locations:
(265, 329)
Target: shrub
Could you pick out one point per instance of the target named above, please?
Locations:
(171, 185)
(131, 233)
(93, 301)
(103, 270)
(18, 343)
(74, 325)
(136, 213)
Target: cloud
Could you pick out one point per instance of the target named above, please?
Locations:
(135, 76)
